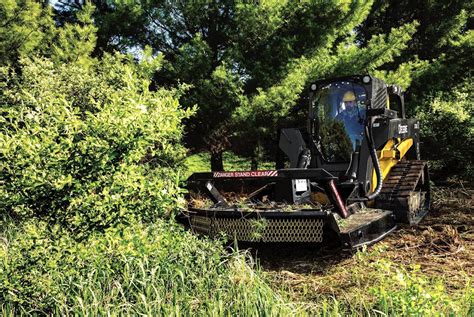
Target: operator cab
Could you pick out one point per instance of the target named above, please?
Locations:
(339, 112)
(342, 113)
(340, 109)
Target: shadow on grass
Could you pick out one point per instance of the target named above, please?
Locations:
(300, 258)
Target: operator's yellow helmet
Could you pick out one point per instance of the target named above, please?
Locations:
(349, 96)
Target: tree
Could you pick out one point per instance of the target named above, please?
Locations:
(443, 37)
(25, 28)
(226, 50)
(247, 64)
(438, 93)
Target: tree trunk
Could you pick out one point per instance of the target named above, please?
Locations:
(280, 159)
(254, 163)
(216, 161)
(256, 155)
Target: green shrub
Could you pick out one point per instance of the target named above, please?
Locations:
(448, 132)
(88, 146)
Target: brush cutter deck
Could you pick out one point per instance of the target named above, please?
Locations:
(277, 206)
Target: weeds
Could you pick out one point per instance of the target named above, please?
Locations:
(152, 270)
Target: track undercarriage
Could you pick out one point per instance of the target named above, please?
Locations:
(406, 192)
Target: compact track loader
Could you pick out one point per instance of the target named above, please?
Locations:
(353, 174)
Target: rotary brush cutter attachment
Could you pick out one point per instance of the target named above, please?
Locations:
(288, 205)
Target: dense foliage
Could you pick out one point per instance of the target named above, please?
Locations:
(26, 27)
(90, 164)
(88, 147)
(448, 131)
(158, 269)
(139, 269)
(443, 37)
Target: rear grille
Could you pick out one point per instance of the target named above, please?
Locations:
(261, 230)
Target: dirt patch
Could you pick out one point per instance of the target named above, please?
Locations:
(442, 246)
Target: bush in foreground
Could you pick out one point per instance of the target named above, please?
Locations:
(88, 146)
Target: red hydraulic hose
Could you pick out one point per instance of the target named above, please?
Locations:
(340, 206)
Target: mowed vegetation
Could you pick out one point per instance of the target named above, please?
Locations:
(92, 156)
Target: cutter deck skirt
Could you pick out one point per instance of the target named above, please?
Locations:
(309, 226)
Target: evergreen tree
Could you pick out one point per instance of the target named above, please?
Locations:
(228, 51)
(25, 27)
(247, 64)
(75, 42)
(444, 37)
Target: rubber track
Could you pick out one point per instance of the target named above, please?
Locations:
(397, 187)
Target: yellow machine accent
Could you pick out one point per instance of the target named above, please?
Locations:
(393, 151)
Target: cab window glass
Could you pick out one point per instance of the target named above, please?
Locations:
(341, 112)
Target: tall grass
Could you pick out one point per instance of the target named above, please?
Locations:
(158, 269)
(155, 269)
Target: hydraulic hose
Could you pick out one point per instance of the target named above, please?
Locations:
(375, 160)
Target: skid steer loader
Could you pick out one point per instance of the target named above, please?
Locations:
(353, 174)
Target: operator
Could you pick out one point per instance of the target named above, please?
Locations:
(352, 117)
